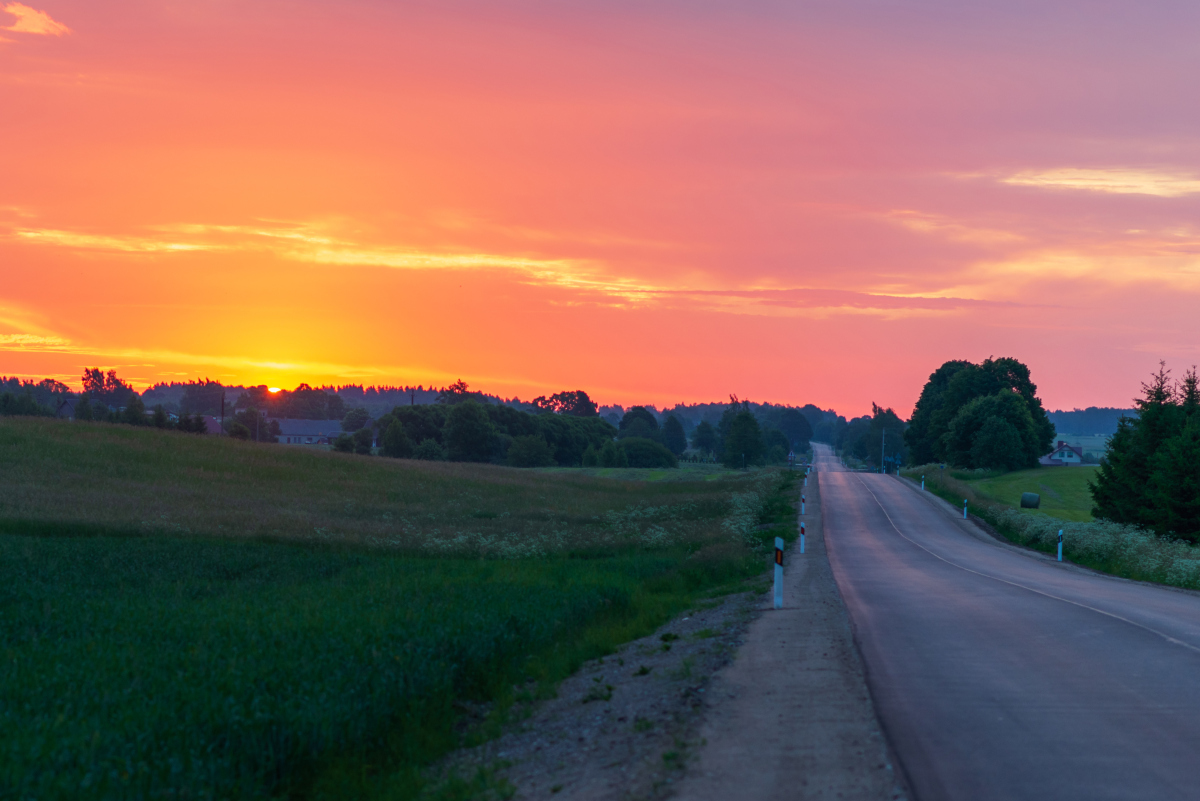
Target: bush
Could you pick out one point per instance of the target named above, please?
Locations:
(344, 443)
(641, 452)
(530, 451)
(613, 456)
(591, 458)
(430, 451)
(363, 440)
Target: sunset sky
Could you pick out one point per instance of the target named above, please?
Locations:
(798, 202)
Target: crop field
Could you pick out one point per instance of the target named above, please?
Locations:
(194, 617)
(1063, 490)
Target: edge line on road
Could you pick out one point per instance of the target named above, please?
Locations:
(1164, 635)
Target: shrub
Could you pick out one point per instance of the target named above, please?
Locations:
(363, 439)
(530, 451)
(640, 452)
(344, 443)
(430, 451)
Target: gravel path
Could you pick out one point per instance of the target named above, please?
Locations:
(792, 718)
(623, 727)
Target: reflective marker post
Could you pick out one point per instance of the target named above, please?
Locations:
(922, 483)
(801, 538)
(1060, 545)
(779, 572)
(964, 508)
(801, 504)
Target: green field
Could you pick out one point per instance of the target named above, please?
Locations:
(1064, 490)
(194, 617)
(1093, 444)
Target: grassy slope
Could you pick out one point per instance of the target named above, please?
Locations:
(1064, 490)
(178, 666)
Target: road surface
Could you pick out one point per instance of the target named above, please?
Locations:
(1000, 675)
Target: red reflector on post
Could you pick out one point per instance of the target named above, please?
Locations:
(779, 556)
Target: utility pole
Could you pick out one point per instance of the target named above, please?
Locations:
(882, 450)
(222, 410)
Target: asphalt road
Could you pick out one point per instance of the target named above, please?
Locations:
(1000, 675)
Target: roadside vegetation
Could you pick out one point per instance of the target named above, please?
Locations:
(1064, 492)
(1135, 515)
(1104, 545)
(199, 617)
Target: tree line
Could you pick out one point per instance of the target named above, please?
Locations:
(462, 425)
(1150, 476)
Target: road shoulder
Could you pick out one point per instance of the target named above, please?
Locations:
(792, 717)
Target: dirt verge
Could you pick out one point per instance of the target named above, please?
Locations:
(733, 701)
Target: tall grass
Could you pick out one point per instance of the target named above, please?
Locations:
(116, 479)
(317, 644)
(1121, 550)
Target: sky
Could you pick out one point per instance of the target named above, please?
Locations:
(658, 202)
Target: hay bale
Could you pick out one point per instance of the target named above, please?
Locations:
(1030, 500)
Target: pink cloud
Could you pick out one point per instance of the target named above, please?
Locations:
(30, 20)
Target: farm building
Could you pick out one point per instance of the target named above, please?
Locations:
(307, 432)
(1062, 455)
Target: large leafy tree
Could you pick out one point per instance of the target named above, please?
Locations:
(933, 433)
(106, 388)
(575, 403)
(638, 422)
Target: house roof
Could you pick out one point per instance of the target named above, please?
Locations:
(308, 428)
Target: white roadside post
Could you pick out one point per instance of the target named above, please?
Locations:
(802, 504)
(801, 538)
(1060, 545)
(922, 483)
(964, 508)
(779, 572)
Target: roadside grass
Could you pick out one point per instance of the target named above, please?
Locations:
(189, 617)
(1063, 490)
(1124, 551)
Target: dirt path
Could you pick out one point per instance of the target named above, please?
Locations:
(791, 718)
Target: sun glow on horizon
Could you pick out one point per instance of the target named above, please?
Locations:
(694, 203)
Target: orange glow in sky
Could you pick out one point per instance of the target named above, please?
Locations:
(655, 202)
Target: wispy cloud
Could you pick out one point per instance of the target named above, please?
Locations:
(1113, 181)
(30, 20)
(954, 230)
(124, 244)
(32, 342)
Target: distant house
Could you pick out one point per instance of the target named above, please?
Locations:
(307, 432)
(1063, 455)
(66, 409)
(213, 424)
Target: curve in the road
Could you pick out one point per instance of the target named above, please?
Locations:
(1000, 675)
